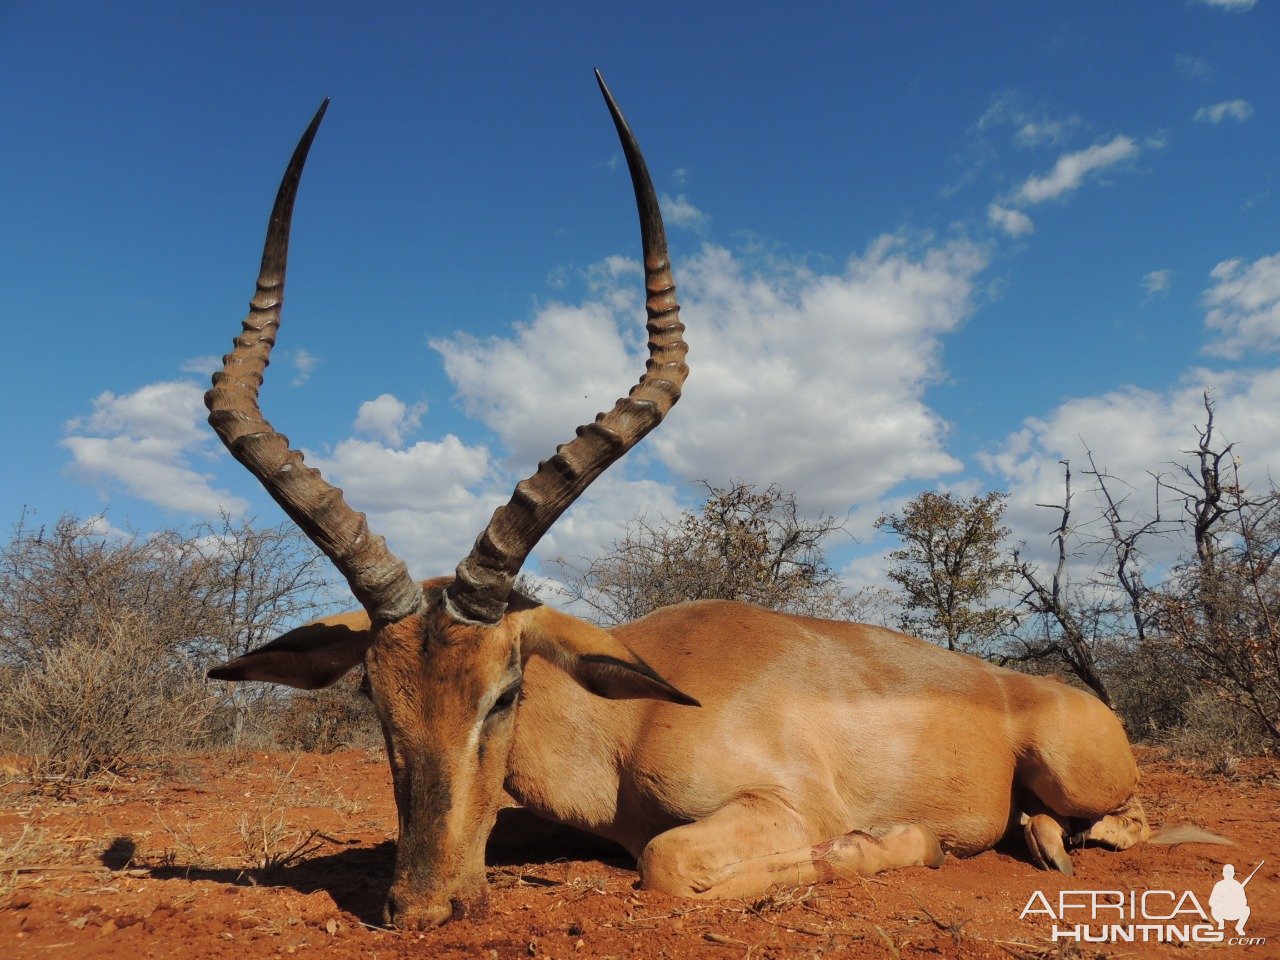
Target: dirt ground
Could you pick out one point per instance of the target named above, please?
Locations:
(289, 855)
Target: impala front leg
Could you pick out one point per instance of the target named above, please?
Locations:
(754, 844)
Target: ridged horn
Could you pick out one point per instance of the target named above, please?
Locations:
(377, 577)
(484, 579)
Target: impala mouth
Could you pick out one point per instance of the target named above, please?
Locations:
(409, 914)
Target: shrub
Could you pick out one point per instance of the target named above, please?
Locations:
(103, 699)
(327, 720)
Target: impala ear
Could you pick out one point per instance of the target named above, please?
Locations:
(597, 660)
(314, 655)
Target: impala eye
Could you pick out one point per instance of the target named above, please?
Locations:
(505, 702)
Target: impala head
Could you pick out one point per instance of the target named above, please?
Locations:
(444, 658)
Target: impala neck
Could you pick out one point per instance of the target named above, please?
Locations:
(569, 744)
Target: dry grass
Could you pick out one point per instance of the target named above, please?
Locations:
(185, 848)
(269, 843)
(97, 702)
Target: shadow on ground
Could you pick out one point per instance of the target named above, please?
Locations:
(357, 878)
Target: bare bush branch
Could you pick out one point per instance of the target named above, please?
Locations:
(743, 544)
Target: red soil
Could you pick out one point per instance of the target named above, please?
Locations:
(166, 866)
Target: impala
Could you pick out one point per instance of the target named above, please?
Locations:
(727, 747)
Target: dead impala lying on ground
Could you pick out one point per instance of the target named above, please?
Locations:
(812, 749)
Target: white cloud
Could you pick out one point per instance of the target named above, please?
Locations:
(600, 516)
(1244, 307)
(100, 526)
(816, 381)
(1032, 128)
(1071, 169)
(1157, 283)
(681, 213)
(558, 278)
(1135, 433)
(429, 475)
(202, 365)
(432, 500)
(429, 500)
(1046, 131)
(1240, 110)
(1026, 127)
(870, 571)
(150, 470)
(555, 373)
(1230, 4)
(1013, 222)
(1193, 67)
(387, 418)
(145, 441)
(304, 363)
(171, 411)
(811, 380)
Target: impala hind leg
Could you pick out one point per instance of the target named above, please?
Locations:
(1119, 830)
(1046, 839)
(749, 846)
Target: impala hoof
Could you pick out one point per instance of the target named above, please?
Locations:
(934, 854)
(1044, 840)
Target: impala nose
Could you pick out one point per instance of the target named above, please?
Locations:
(405, 913)
(424, 913)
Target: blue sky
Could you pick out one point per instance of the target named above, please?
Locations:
(918, 246)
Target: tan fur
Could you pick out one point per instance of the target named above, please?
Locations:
(727, 747)
(819, 749)
(833, 727)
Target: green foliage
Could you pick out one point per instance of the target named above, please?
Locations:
(949, 566)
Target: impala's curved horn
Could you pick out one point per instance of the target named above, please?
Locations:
(378, 578)
(479, 592)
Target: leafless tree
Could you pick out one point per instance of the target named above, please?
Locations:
(1221, 607)
(1064, 629)
(261, 580)
(65, 582)
(1086, 626)
(743, 544)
